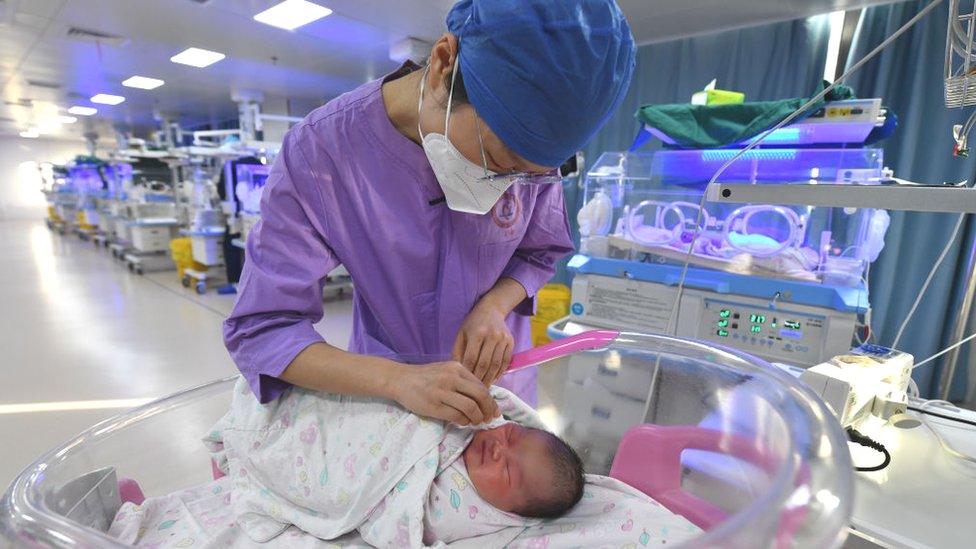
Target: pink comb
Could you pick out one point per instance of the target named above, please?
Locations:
(586, 341)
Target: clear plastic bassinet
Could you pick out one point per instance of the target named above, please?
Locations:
(737, 447)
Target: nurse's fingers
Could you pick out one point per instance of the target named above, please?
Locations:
(458, 353)
(466, 406)
(472, 348)
(485, 365)
(498, 363)
(474, 389)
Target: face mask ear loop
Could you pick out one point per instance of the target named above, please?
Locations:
(420, 102)
(450, 95)
(481, 143)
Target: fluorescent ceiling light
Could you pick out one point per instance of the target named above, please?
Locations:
(67, 119)
(47, 127)
(29, 134)
(196, 57)
(82, 111)
(291, 14)
(143, 82)
(107, 99)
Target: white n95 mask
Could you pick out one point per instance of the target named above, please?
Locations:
(463, 182)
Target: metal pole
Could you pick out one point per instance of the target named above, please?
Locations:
(959, 330)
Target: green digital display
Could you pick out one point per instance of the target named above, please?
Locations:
(757, 319)
(724, 313)
(756, 329)
(791, 324)
(722, 333)
(724, 323)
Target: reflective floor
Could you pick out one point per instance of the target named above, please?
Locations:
(82, 338)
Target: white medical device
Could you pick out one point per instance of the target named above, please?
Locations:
(869, 380)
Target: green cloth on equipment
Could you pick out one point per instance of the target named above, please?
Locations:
(714, 126)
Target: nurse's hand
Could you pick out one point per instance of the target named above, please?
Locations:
(484, 343)
(447, 391)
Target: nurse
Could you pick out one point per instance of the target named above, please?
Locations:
(435, 188)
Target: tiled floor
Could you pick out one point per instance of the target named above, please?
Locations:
(76, 326)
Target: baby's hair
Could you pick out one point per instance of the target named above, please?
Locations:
(568, 481)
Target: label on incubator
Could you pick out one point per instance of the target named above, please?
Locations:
(622, 302)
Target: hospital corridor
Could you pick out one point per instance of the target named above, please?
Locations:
(86, 339)
(539, 274)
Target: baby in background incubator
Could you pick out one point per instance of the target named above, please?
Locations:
(765, 240)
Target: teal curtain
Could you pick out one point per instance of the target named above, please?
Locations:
(909, 77)
(765, 62)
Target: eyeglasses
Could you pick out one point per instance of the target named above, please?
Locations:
(523, 178)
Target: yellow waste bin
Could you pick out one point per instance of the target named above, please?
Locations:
(552, 303)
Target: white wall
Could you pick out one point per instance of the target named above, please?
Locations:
(20, 184)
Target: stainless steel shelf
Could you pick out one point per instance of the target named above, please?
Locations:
(915, 198)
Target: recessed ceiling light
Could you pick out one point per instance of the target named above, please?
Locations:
(47, 126)
(143, 82)
(107, 99)
(29, 134)
(291, 14)
(196, 57)
(67, 119)
(82, 111)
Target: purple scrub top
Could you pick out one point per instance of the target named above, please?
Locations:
(348, 188)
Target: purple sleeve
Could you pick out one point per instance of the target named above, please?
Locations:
(280, 292)
(546, 241)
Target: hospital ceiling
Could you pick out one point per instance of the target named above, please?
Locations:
(49, 59)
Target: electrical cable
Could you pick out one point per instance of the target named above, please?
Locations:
(938, 435)
(672, 319)
(928, 280)
(942, 416)
(857, 438)
(944, 351)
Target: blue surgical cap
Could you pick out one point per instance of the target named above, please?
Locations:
(545, 75)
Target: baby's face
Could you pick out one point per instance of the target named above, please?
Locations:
(508, 465)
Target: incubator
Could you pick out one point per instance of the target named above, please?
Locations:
(786, 283)
(645, 206)
(61, 197)
(740, 449)
(111, 205)
(87, 180)
(251, 179)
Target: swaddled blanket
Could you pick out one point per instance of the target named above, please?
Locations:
(355, 470)
(307, 466)
(333, 464)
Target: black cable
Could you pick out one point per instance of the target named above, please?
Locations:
(857, 438)
(938, 415)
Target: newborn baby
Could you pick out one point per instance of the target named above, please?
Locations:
(516, 475)
(525, 471)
